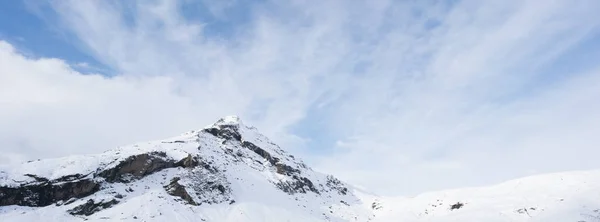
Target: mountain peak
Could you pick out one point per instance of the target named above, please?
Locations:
(226, 165)
(229, 120)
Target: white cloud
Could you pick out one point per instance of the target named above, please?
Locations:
(419, 95)
(480, 110)
(51, 110)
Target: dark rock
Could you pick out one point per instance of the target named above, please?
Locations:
(178, 190)
(208, 185)
(91, 207)
(375, 206)
(38, 195)
(285, 169)
(297, 185)
(37, 178)
(220, 188)
(44, 192)
(337, 185)
(68, 178)
(260, 152)
(281, 168)
(176, 141)
(136, 167)
(456, 206)
(188, 162)
(227, 132)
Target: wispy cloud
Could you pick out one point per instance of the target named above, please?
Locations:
(410, 95)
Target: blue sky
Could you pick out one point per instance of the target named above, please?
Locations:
(442, 92)
(37, 37)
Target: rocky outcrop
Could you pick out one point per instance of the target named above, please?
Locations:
(91, 207)
(337, 185)
(260, 152)
(285, 169)
(178, 190)
(231, 132)
(43, 192)
(456, 206)
(46, 193)
(207, 185)
(297, 185)
(227, 132)
(188, 162)
(136, 167)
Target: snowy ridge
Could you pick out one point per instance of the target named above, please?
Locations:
(223, 170)
(228, 171)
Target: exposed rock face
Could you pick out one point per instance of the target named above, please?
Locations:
(260, 152)
(46, 193)
(188, 162)
(91, 207)
(337, 185)
(285, 169)
(281, 168)
(226, 132)
(207, 185)
(178, 190)
(136, 167)
(298, 184)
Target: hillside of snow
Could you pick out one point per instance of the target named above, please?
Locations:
(560, 197)
(225, 172)
(230, 172)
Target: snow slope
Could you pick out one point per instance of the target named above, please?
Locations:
(230, 172)
(560, 197)
(234, 174)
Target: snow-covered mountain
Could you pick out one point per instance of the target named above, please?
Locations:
(224, 172)
(231, 172)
